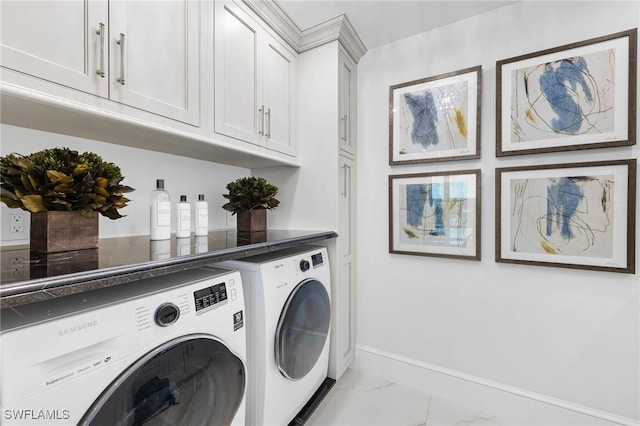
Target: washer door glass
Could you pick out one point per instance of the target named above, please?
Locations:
(302, 329)
(192, 380)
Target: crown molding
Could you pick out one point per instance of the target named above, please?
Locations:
(277, 20)
(338, 28)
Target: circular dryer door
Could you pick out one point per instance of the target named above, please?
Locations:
(192, 380)
(303, 328)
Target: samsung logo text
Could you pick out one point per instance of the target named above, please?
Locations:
(78, 327)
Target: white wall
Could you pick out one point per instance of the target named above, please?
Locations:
(568, 337)
(141, 168)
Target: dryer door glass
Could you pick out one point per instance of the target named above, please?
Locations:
(302, 329)
(193, 380)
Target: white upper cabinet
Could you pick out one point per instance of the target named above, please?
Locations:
(155, 56)
(236, 73)
(254, 82)
(143, 54)
(64, 42)
(278, 90)
(346, 107)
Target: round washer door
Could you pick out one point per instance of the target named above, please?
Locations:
(191, 380)
(302, 329)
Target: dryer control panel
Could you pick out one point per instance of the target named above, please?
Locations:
(315, 260)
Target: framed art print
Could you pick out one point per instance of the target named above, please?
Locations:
(435, 214)
(577, 96)
(579, 215)
(435, 118)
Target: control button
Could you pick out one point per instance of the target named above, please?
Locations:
(167, 314)
(234, 294)
(232, 283)
(304, 265)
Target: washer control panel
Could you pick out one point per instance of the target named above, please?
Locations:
(210, 297)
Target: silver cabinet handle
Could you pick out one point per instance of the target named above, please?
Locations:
(261, 112)
(120, 42)
(268, 131)
(345, 190)
(100, 32)
(344, 128)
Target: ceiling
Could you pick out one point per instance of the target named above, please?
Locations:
(382, 22)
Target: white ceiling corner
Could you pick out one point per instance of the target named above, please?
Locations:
(380, 22)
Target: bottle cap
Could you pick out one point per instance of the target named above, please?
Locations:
(200, 197)
(183, 198)
(159, 183)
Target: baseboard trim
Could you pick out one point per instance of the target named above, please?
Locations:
(410, 372)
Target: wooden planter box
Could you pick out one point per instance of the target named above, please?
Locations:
(245, 238)
(252, 221)
(53, 232)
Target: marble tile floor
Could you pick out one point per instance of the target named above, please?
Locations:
(358, 399)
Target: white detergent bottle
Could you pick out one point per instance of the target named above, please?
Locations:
(202, 217)
(160, 219)
(183, 218)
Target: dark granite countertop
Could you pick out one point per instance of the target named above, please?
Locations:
(28, 277)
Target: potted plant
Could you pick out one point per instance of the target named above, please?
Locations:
(64, 191)
(250, 198)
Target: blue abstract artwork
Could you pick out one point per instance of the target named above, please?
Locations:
(557, 84)
(436, 213)
(434, 119)
(570, 215)
(564, 97)
(425, 116)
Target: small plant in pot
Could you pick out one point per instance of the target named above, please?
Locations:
(64, 191)
(250, 198)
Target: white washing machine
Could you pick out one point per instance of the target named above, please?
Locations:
(162, 351)
(287, 295)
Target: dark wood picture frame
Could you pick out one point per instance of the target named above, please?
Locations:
(576, 96)
(436, 214)
(436, 118)
(574, 215)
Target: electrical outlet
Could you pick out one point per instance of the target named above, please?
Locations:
(17, 223)
(17, 267)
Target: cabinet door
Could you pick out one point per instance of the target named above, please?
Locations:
(347, 105)
(346, 283)
(237, 103)
(155, 56)
(60, 41)
(278, 88)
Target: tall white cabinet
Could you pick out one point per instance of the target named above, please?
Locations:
(346, 287)
(321, 194)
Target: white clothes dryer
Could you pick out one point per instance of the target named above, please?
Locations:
(162, 351)
(287, 295)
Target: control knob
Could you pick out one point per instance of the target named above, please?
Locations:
(304, 265)
(167, 314)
